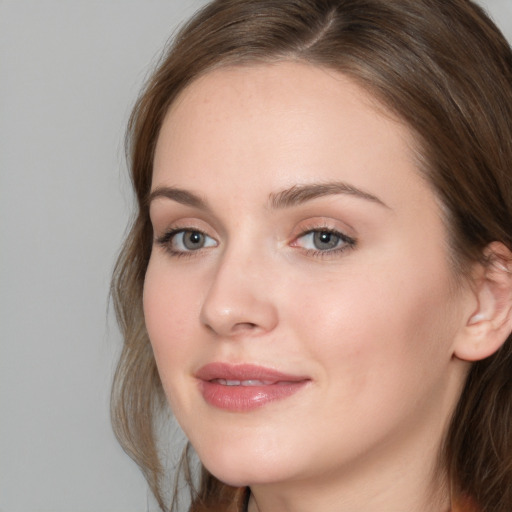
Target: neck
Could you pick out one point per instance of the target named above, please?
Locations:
(402, 496)
(399, 478)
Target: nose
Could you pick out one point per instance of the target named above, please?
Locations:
(239, 301)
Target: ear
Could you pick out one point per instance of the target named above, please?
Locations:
(489, 326)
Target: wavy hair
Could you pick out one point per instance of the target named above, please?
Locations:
(443, 68)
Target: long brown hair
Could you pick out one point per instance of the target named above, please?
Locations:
(442, 67)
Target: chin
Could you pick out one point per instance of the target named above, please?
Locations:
(245, 469)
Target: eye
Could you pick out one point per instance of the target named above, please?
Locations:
(324, 240)
(186, 240)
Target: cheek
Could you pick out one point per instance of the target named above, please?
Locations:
(169, 306)
(385, 326)
(383, 355)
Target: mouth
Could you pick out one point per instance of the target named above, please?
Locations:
(248, 383)
(241, 388)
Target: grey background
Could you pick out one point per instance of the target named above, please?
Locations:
(69, 72)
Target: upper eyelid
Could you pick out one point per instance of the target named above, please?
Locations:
(164, 219)
(186, 224)
(321, 228)
(325, 224)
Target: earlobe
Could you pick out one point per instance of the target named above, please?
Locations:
(489, 326)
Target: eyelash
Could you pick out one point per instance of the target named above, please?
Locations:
(347, 242)
(166, 239)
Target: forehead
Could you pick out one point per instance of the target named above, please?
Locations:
(283, 88)
(274, 125)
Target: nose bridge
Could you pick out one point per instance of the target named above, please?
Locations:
(238, 299)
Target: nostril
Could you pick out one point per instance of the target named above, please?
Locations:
(244, 326)
(237, 328)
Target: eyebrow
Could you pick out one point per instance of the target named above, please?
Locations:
(179, 195)
(293, 196)
(299, 194)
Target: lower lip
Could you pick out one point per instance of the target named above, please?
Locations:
(247, 398)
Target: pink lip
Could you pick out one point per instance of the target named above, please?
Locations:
(258, 385)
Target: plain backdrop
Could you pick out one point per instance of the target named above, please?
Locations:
(69, 72)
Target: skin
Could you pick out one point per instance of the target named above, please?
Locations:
(372, 326)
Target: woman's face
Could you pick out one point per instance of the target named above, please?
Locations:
(299, 297)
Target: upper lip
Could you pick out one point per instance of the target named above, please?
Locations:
(244, 372)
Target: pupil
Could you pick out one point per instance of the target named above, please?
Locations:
(193, 240)
(325, 240)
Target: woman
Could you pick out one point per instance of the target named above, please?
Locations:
(318, 279)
